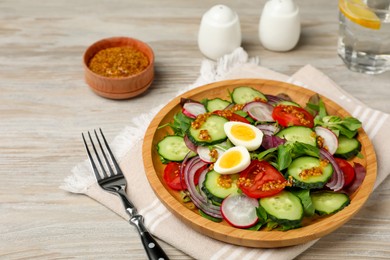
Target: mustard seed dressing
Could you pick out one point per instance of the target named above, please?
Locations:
(117, 62)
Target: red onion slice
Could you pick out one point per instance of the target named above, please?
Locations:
(202, 177)
(190, 145)
(189, 168)
(268, 129)
(259, 111)
(336, 183)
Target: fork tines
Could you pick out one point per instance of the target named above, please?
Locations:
(109, 160)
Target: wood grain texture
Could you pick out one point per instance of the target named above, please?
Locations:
(45, 105)
(222, 231)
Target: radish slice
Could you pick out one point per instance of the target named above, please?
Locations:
(240, 210)
(330, 139)
(259, 111)
(204, 153)
(193, 109)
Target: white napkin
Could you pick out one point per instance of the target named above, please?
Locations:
(128, 148)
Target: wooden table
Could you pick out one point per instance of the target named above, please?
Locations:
(45, 105)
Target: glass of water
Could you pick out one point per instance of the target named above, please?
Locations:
(364, 35)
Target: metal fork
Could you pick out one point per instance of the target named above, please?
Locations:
(114, 181)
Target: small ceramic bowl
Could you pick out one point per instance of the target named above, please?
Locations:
(119, 87)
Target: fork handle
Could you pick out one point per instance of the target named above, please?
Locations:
(152, 248)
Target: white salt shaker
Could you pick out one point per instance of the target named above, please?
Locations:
(219, 32)
(280, 25)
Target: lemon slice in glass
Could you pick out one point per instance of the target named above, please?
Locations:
(358, 12)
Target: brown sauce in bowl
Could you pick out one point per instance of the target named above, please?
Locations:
(118, 62)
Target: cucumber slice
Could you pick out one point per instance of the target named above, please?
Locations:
(173, 148)
(298, 134)
(348, 147)
(216, 104)
(284, 208)
(213, 186)
(243, 95)
(329, 202)
(213, 126)
(288, 103)
(309, 182)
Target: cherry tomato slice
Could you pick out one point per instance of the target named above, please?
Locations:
(348, 170)
(288, 115)
(172, 176)
(260, 179)
(229, 115)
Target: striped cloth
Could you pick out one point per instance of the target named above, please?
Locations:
(162, 223)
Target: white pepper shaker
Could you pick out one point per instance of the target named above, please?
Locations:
(219, 32)
(280, 26)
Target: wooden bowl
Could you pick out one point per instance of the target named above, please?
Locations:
(312, 229)
(123, 87)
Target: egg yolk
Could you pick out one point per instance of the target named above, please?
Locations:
(230, 159)
(243, 133)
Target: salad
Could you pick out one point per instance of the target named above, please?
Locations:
(261, 161)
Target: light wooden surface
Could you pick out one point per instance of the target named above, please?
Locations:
(45, 105)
